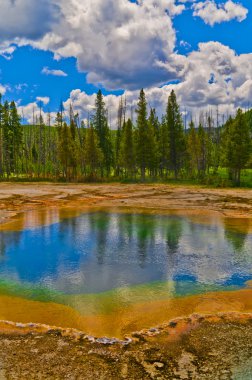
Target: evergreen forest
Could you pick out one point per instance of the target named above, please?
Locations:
(143, 148)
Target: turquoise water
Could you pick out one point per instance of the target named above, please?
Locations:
(98, 252)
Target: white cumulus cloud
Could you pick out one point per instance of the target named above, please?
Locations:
(32, 111)
(215, 76)
(43, 99)
(213, 13)
(118, 43)
(27, 19)
(121, 44)
(56, 73)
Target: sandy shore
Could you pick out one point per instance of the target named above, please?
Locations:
(18, 198)
(213, 349)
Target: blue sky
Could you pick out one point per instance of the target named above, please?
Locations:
(24, 78)
(234, 34)
(121, 47)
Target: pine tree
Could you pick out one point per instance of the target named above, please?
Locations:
(213, 151)
(203, 150)
(163, 147)
(193, 149)
(152, 150)
(74, 145)
(100, 123)
(93, 153)
(107, 150)
(7, 139)
(153, 147)
(41, 150)
(64, 150)
(17, 134)
(142, 135)
(34, 154)
(153, 119)
(100, 119)
(238, 146)
(154, 137)
(120, 124)
(177, 147)
(127, 153)
(1, 137)
(59, 122)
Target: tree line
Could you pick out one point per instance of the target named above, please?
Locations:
(148, 149)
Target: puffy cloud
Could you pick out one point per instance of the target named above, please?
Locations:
(244, 93)
(7, 51)
(214, 76)
(118, 43)
(2, 89)
(32, 111)
(27, 19)
(43, 99)
(83, 104)
(230, 72)
(56, 73)
(113, 44)
(213, 13)
(121, 44)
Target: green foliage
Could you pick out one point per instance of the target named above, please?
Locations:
(100, 123)
(153, 149)
(193, 150)
(163, 146)
(176, 137)
(127, 151)
(146, 143)
(11, 139)
(142, 134)
(237, 146)
(93, 153)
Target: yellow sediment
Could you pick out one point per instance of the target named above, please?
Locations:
(124, 320)
(25, 311)
(249, 284)
(41, 216)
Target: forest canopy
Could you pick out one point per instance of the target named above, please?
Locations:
(147, 149)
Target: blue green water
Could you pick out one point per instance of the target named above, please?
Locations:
(99, 252)
(244, 372)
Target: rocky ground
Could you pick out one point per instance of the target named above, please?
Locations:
(212, 350)
(21, 197)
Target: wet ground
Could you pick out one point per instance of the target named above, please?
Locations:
(16, 198)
